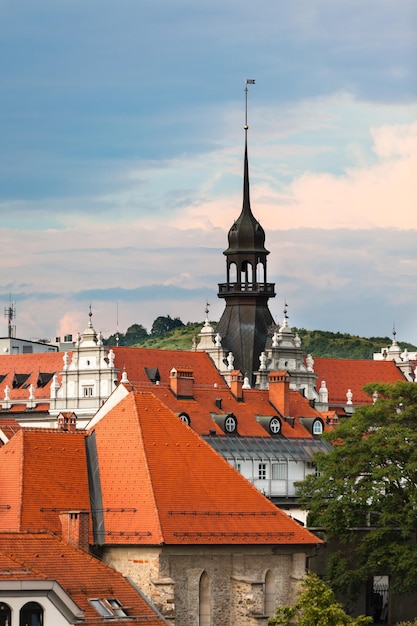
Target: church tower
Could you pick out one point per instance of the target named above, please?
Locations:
(244, 325)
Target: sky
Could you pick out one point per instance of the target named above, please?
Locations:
(121, 160)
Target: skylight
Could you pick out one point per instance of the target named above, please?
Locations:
(108, 607)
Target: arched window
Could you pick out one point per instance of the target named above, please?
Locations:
(184, 417)
(204, 600)
(31, 614)
(317, 427)
(269, 597)
(5, 614)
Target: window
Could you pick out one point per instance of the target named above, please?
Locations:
(269, 597)
(230, 424)
(31, 614)
(275, 426)
(5, 614)
(88, 392)
(184, 417)
(262, 471)
(279, 471)
(317, 427)
(108, 607)
(204, 600)
(313, 466)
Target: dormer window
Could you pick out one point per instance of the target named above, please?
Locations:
(275, 426)
(317, 427)
(184, 417)
(230, 423)
(108, 607)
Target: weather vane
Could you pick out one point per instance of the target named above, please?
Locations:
(249, 81)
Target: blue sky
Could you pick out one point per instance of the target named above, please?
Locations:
(121, 157)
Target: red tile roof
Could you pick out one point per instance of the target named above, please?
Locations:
(343, 374)
(82, 576)
(208, 387)
(31, 365)
(8, 427)
(42, 472)
(162, 484)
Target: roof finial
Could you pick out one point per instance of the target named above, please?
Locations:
(394, 333)
(90, 315)
(206, 311)
(249, 81)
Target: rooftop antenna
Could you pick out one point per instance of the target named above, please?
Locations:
(10, 314)
(117, 323)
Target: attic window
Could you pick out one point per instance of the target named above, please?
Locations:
(43, 379)
(19, 380)
(108, 607)
(184, 417)
(275, 426)
(2, 377)
(230, 423)
(153, 374)
(317, 427)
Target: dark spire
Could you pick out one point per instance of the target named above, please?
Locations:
(246, 318)
(246, 235)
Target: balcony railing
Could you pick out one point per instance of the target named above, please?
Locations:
(236, 288)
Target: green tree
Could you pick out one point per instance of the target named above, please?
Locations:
(135, 334)
(316, 605)
(368, 482)
(163, 324)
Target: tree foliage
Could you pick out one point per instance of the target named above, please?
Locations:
(163, 324)
(135, 334)
(315, 605)
(368, 483)
(322, 343)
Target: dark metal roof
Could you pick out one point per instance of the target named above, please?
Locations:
(267, 448)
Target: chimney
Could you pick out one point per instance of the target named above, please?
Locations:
(279, 391)
(67, 422)
(75, 528)
(181, 382)
(236, 382)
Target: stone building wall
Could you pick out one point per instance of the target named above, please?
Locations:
(170, 577)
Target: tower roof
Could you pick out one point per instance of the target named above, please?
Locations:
(246, 234)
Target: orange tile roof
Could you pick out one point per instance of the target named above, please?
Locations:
(31, 365)
(343, 374)
(208, 386)
(135, 360)
(9, 427)
(42, 472)
(162, 484)
(82, 576)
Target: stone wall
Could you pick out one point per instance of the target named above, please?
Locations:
(170, 577)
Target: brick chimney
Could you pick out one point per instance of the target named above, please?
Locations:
(75, 528)
(67, 422)
(236, 382)
(279, 391)
(181, 382)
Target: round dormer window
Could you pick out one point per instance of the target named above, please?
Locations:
(185, 418)
(230, 424)
(275, 426)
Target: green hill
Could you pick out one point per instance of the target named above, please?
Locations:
(319, 343)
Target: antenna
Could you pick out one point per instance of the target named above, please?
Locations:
(10, 314)
(117, 323)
